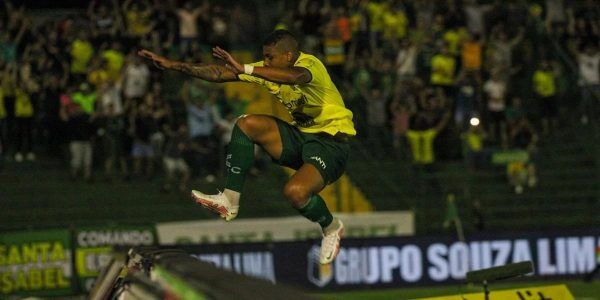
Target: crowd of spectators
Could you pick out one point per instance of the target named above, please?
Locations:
(72, 83)
(428, 79)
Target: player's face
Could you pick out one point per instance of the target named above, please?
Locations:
(275, 57)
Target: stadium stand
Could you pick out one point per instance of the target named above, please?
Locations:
(494, 104)
(566, 160)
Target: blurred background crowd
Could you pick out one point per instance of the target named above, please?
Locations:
(426, 80)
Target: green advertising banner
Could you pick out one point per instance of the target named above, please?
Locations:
(94, 247)
(510, 156)
(36, 263)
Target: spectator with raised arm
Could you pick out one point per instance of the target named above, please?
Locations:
(443, 68)
(137, 19)
(495, 90)
(523, 137)
(425, 125)
(500, 50)
(136, 80)
(188, 16)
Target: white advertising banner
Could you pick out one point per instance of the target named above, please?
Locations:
(297, 228)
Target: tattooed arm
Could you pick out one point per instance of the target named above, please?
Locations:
(208, 72)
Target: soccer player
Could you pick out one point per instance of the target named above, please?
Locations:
(315, 144)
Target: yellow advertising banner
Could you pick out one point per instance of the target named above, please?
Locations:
(551, 292)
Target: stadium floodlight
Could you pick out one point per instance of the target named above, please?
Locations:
(486, 276)
(474, 121)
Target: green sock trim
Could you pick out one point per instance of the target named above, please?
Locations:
(316, 210)
(240, 157)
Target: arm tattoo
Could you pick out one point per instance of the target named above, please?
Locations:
(208, 72)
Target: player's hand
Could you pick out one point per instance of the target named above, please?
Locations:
(231, 63)
(158, 60)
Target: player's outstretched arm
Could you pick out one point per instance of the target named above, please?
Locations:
(290, 75)
(208, 72)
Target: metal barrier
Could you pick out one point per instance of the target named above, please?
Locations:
(153, 273)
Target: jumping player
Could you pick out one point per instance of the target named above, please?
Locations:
(315, 144)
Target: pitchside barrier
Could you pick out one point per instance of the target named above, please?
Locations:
(149, 273)
(66, 262)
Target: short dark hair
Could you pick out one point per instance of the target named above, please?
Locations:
(285, 39)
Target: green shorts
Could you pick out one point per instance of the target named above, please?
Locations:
(327, 154)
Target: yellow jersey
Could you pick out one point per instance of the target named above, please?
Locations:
(115, 60)
(395, 25)
(81, 53)
(23, 105)
(98, 77)
(315, 106)
(375, 11)
(443, 68)
(543, 83)
(421, 145)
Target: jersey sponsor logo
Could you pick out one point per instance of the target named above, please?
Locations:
(292, 104)
(320, 161)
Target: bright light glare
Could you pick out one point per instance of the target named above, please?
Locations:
(474, 121)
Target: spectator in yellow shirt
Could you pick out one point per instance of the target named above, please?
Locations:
(544, 86)
(24, 123)
(115, 59)
(81, 52)
(473, 139)
(443, 67)
(98, 74)
(7, 91)
(395, 24)
(376, 9)
(137, 17)
(455, 37)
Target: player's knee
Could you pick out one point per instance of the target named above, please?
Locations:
(296, 194)
(247, 123)
(251, 125)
